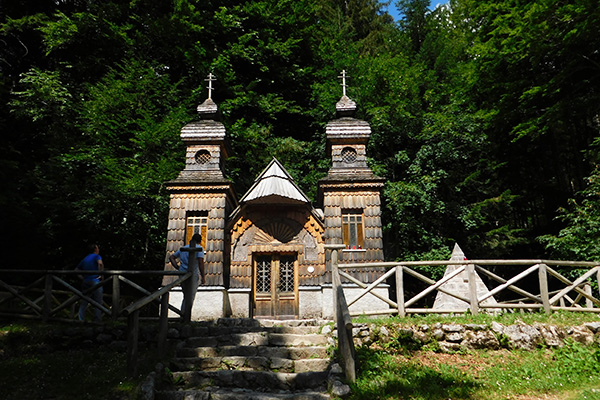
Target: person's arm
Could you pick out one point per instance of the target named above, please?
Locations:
(173, 261)
(100, 268)
(201, 267)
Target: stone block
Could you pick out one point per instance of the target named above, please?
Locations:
(480, 340)
(238, 303)
(523, 336)
(582, 335)
(208, 304)
(310, 299)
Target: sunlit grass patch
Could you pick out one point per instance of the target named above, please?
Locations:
(570, 368)
(559, 318)
(397, 370)
(394, 376)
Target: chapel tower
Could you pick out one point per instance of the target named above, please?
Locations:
(201, 197)
(350, 193)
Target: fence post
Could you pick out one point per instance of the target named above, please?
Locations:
(598, 280)
(400, 290)
(334, 272)
(343, 321)
(470, 269)
(191, 284)
(116, 297)
(47, 297)
(133, 328)
(543, 277)
(163, 325)
(587, 288)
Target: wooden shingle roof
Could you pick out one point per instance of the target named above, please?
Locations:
(275, 185)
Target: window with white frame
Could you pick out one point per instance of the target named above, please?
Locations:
(196, 224)
(352, 228)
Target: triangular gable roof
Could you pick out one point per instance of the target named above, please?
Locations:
(275, 185)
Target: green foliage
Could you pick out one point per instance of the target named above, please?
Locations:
(580, 239)
(44, 96)
(483, 115)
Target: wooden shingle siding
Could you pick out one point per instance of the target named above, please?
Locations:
(216, 206)
(336, 199)
(309, 230)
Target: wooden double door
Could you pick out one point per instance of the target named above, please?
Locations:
(275, 285)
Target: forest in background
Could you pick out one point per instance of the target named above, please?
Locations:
(485, 118)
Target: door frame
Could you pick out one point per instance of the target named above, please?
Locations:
(275, 295)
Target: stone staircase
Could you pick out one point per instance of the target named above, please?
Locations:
(232, 359)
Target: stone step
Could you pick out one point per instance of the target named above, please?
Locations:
(223, 330)
(239, 325)
(257, 339)
(253, 363)
(293, 353)
(231, 359)
(253, 380)
(239, 394)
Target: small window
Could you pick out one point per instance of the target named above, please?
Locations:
(263, 275)
(348, 155)
(286, 274)
(202, 157)
(196, 224)
(352, 228)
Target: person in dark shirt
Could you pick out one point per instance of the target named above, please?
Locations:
(91, 262)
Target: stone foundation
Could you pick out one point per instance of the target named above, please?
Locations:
(210, 302)
(239, 303)
(454, 337)
(364, 305)
(213, 302)
(310, 302)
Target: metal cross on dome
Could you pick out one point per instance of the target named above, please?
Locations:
(210, 80)
(343, 76)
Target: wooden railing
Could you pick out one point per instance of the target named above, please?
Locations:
(552, 291)
(544, 298)
(342, 318)
(52, 295)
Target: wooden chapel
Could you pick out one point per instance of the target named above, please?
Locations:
(265, 254)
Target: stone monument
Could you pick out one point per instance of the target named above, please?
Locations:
(459, 284)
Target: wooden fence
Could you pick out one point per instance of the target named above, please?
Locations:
(53, 295)
(551, 290)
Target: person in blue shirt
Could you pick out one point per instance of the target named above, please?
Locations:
(91, 262)
(184, 257)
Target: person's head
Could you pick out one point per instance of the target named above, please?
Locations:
(196, 237)
(93, 248)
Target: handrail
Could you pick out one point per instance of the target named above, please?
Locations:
(477, 262)
(45, 311)
(476, 301)
(342, 318)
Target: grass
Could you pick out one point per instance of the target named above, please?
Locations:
(571, 372)
(561, 318)
(35, 363)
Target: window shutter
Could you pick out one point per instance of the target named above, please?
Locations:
(346, 233)
(203, 233)
(359, 234)
(189, 232)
